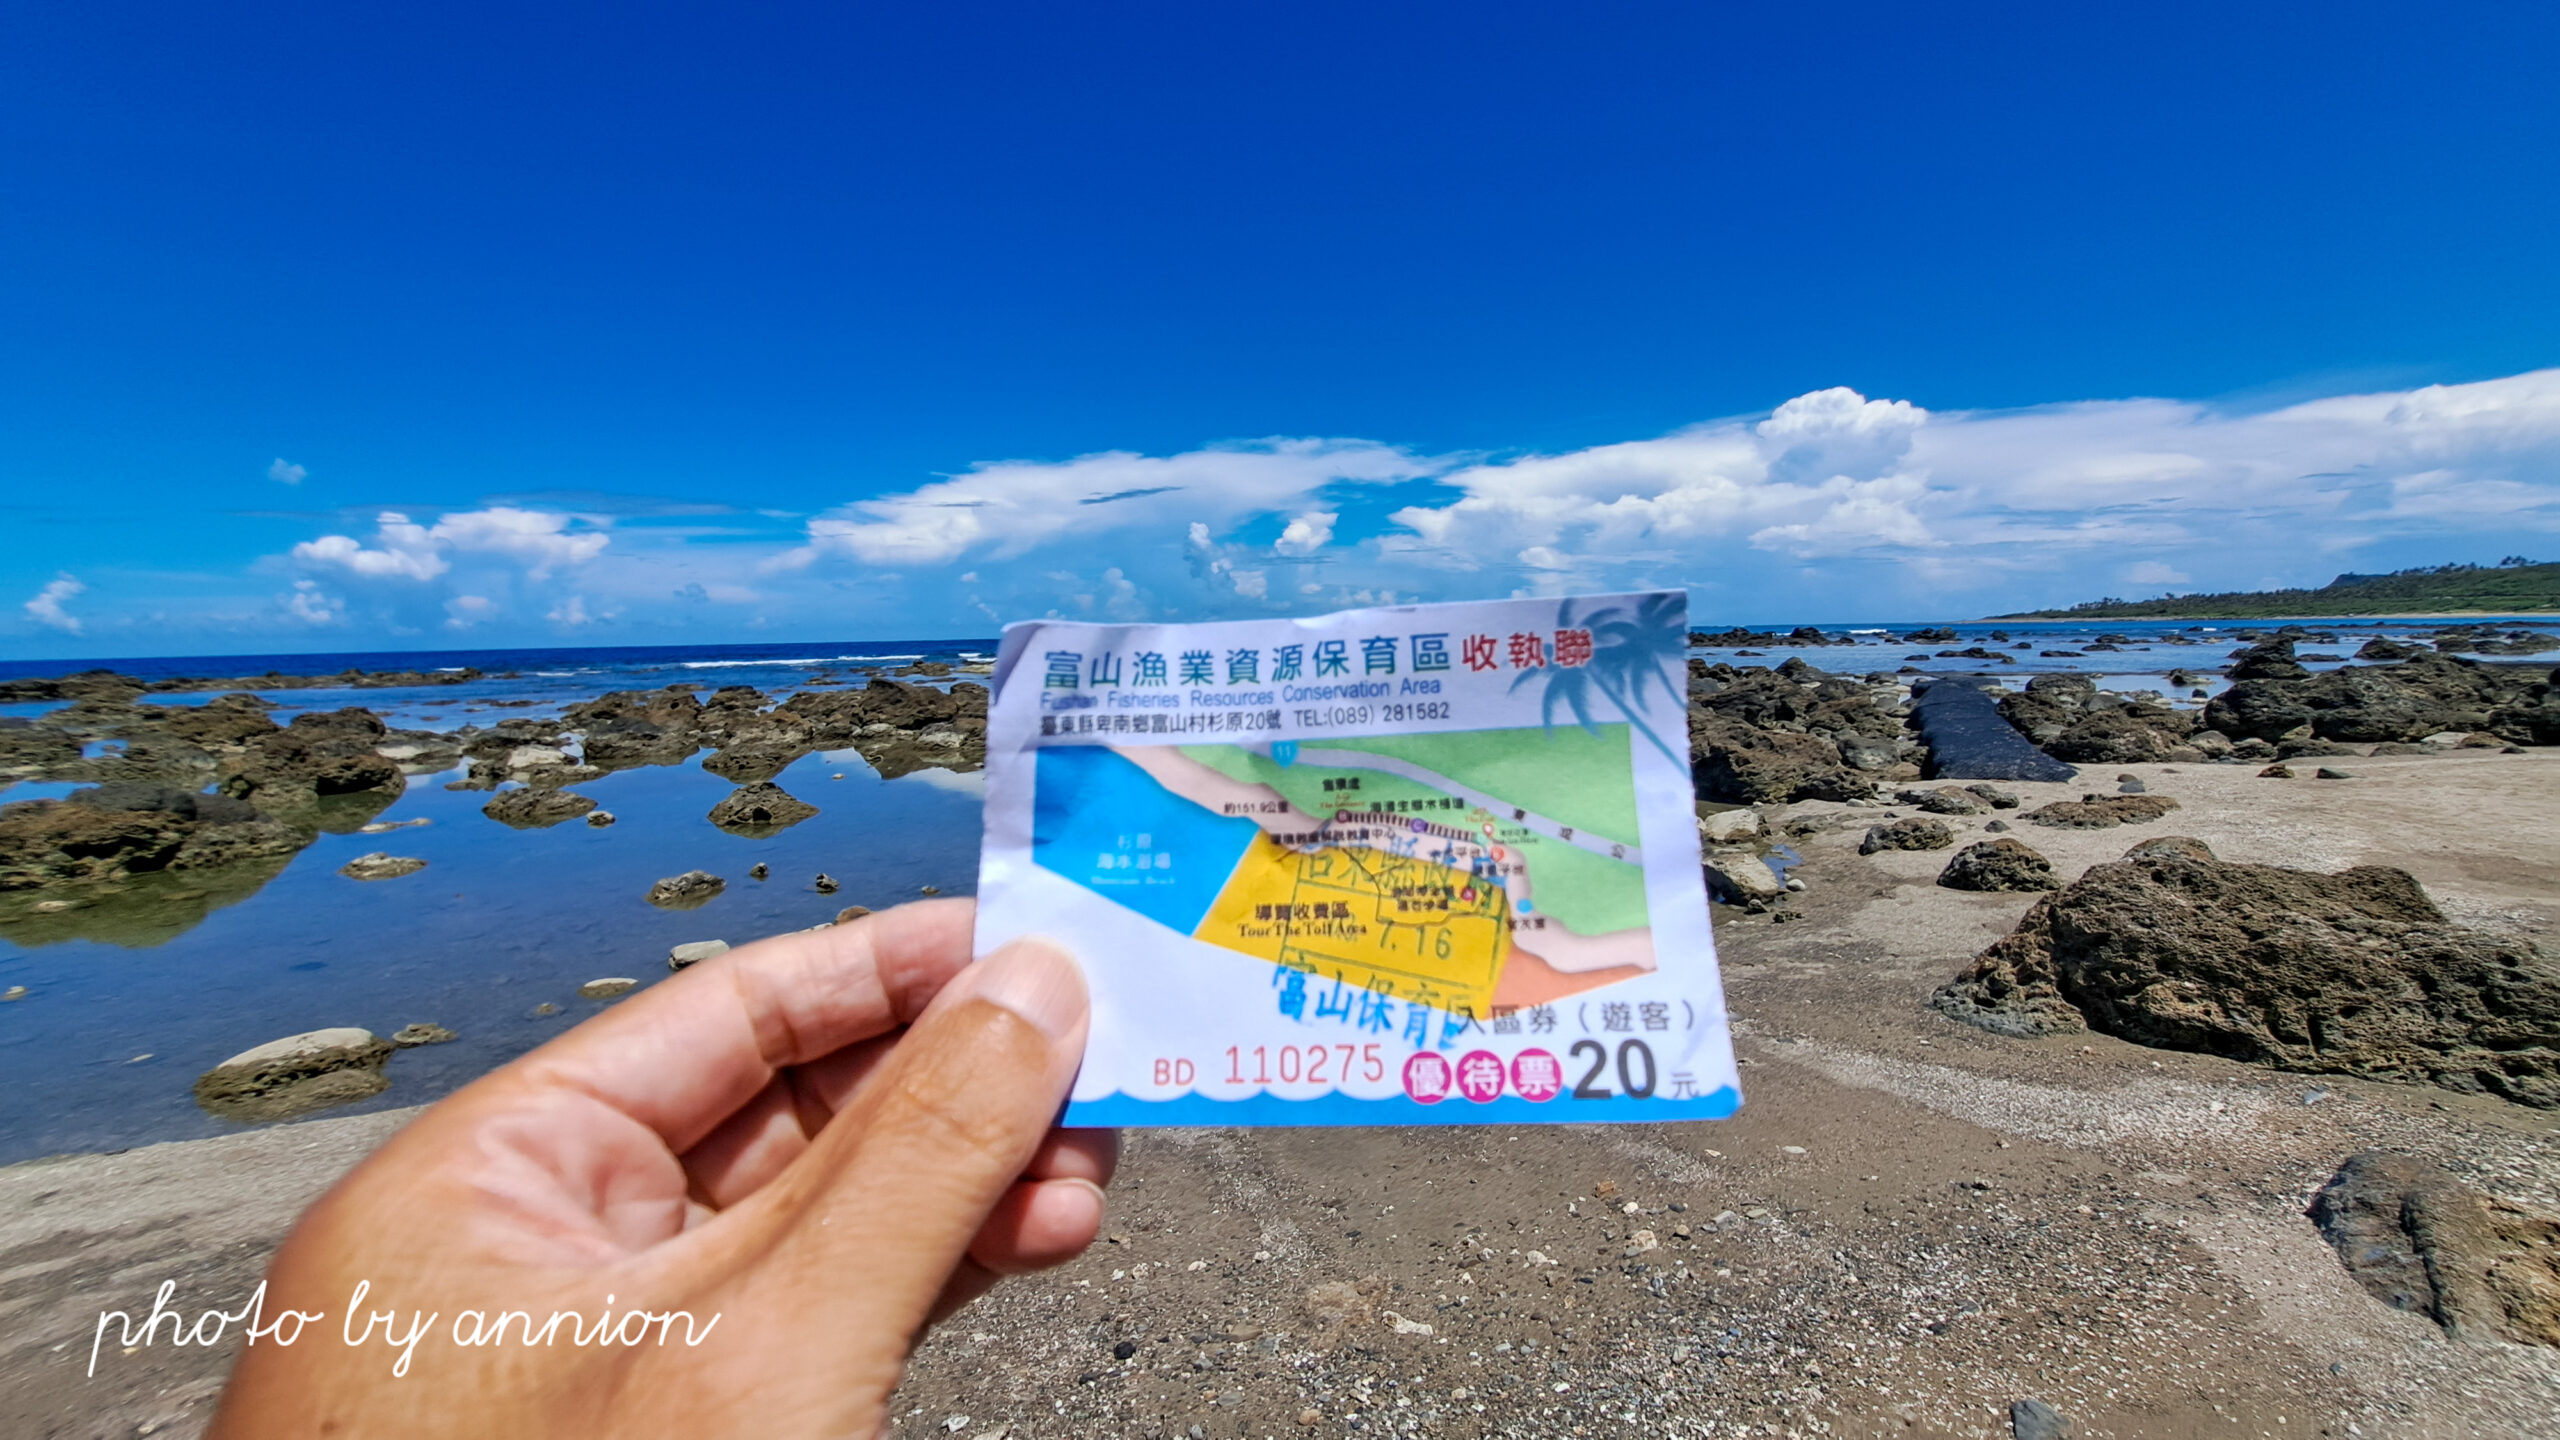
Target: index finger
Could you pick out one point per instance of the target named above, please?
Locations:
(682, 1056)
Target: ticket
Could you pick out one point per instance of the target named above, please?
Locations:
(1428, 864)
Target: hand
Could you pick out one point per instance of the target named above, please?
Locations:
(756, 1138)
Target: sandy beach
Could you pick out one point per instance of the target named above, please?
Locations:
(1911, 1224)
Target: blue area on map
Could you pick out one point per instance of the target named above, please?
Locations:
(1285, 751)
(1108, 826)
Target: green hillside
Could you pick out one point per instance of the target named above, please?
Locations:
(2510, 587)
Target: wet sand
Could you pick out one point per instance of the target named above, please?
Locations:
(1921, 1222)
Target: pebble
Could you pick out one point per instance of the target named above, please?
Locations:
(423, 1032)
(758, 870)
(2130, 787)
(541, 1011)
(2325, 773)
(1995, 825)
(2035, 1420)
(1310, 1416)
(1124, 1349)
(825, 884)
(851, 913)
(1792, 1149)
(929, 890)
(54, 907)
(607, 988)
(694, 952)
(599, 818)
(14, 992)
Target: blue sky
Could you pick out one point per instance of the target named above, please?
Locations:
(324, 329)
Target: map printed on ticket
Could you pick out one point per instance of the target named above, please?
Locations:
(1414, 865)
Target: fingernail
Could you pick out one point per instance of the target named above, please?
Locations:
(1036, 980)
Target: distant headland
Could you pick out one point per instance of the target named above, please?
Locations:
(2513, 586)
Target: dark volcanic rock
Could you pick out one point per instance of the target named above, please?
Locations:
(536, 807)
(1915, 833)
(2102, 812)
(2268, 660)
(1998, 865)
(2419, 1240)
(2355, 973)
(1970, 740)
(760, 807)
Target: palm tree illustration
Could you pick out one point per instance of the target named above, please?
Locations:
(1632, 651)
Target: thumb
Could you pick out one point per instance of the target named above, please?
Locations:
(867, 1227)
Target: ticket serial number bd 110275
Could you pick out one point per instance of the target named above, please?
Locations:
(1412, 865)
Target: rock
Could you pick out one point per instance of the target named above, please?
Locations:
(2035, 1420)
(851, 913)
(825, 884)
(694, 952)
(2269, 660)
(2325, 773)
(2184, 847)
(1726, 827)
(113, 831)
(422, 1033)
(296, 1075)
(2131, 785)
(2445, 739)
(2092, 812)
(2277, 771)
(686, 891)
(1946, 801)
(1998, 865)
(758, 871)
(1996, 826)
(598, 819)
(1744, 766)
(385, 827)
(760, 808)
(2419, 1240)
(2355, 973)
(14, 992)
(1914, 833)
(1736, 879)
(1993, 796)
(535, 807)
(318, 755)
(527, 757)
(379, 866)
(607, 988)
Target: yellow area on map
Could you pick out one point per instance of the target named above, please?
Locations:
(1413, 929)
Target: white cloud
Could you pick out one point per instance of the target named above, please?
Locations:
(571, 612)
(286, 472)
(464, 611)
(46, 606)
(2155, 572)
(403, 549)
(312, 605)
(539, 540)
(1306, 534)
(1010, 507)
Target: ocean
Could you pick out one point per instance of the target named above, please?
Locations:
(494, 937)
